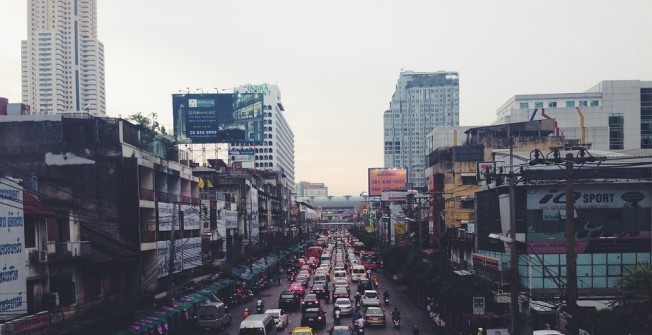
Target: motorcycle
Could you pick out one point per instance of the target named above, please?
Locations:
(360, 331)
(397, 322)
(260, 308)
(386, 301)
(338, 317)
(357, 304)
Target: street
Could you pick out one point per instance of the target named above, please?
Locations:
(410, 314)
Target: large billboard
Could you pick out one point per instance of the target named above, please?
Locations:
(607, 217)
(218, 118)
(187, 255)
(13, 283)
(386, 179)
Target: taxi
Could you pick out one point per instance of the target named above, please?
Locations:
(303, 331)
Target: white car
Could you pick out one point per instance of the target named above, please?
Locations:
(370, 298)
(280, 317)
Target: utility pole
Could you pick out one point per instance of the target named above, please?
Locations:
(171, 258)
(571, 263)
(513, 256)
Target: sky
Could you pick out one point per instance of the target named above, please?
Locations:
(337, 62)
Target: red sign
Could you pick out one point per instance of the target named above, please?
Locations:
(487, 262)
(386, 179)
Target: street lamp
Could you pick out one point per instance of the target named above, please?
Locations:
(514, 294)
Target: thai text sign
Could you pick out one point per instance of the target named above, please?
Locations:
(386, 179)
(13, 283)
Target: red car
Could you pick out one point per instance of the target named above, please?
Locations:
(307, 268)
(298, 288)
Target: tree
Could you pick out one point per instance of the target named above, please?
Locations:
(634, 298)
(152, 131)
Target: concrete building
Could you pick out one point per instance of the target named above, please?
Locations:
(612, 115)
(421, 102)
(276, 153)
(308, 189)
(62, 59)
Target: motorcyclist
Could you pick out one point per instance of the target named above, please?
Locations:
(415, 330)
(245, 313)
(357, 297)
(359, 322)
(386, 295)
(260, 302)
(396, 315)
(338, 314)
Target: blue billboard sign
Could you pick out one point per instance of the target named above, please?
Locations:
(218, 118)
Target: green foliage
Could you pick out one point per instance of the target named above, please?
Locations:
(634, 297)
(152, 131)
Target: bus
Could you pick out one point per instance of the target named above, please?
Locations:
(369, 259)
(314, 251)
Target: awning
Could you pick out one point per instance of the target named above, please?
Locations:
(542, 306)
(463, 272)
(33, 206)
(597, 304)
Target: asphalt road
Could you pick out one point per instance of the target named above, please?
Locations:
(410, 314)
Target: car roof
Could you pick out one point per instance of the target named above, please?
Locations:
(370, 291)
(312, 309)
(342, 299)
(273, 310)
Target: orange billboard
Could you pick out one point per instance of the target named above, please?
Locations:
(386, 179)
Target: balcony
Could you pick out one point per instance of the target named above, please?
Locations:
(68, 250)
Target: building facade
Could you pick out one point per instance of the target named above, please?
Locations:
(276, 153)
(62, 59)
(421, 102)
(612, 115)
(308, 189)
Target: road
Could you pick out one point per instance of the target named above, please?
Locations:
(410, 314)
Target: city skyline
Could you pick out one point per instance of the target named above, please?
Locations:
(337, 69)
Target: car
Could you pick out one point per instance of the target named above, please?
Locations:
(341, 283)
(319, 290)
(364, 284)
(313, 317)
(298, 288)
(370, 298)
(303, 278)
(345, 305)
(289, 300)
(306, 267)
(340, 274)
(340, 292)
(374, 316)
(303, 331)
(319, 279)
(280, 317)
(341, 330)
(309, 301)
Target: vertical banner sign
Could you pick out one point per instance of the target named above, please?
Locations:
(478, 305)
(13, 283)
(190, 217)
(255, 225)
(191, 252)
(166, 216)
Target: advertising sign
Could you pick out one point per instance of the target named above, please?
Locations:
(13, 283)
(386, 179)
(187, 254)
(167, 216)
(230, 219)
(394, 196)
(478, 305)
(241, 155)
(218, 118)
(607, 218)
(190, 217)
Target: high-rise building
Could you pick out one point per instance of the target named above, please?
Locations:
(611, 115)
(276, 153)
(421, 102)
(62, 59)
(308, 189)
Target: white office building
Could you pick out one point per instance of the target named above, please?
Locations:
(421, 102)
(62, 59)
(612, 115)
(276, 153)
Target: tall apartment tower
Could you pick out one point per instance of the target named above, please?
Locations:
(276, 153)
(62, 59)
(421, 102)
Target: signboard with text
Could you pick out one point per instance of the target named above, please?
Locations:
(218, 118)
(13, 283)
(478, 305)
(386, 179)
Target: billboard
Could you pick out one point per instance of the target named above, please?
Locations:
(187, 255)
(241, 155)
(13, 282)
(386, 179)
(218, 118)
(607, 217)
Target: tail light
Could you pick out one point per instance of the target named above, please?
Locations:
(319, 318)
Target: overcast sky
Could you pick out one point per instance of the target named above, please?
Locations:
(336, 62)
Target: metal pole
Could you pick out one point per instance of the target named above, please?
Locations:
(571, 268)
(171, 258)
(513, 257)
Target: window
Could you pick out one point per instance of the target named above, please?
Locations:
(524, 105)
(584, 103)
(538, 104)
(594, 103)
(570, 103)
(617, 131)
(552, 104)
